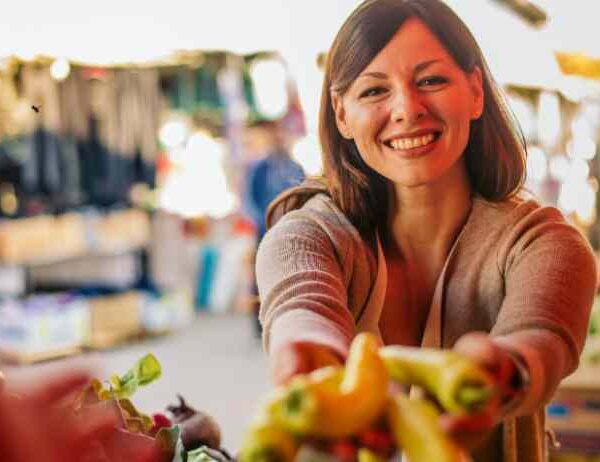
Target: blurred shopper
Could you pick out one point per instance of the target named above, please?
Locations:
(38, 424)
(271, 175)
(267, 178)
(418, 230)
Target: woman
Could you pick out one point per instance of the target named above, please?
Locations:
(418, 230)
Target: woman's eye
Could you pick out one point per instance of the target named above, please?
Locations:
(432, 81)
(372, 92)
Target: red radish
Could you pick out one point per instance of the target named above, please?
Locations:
(160, 421)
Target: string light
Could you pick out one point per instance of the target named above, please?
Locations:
(60, 69)
(269, 79)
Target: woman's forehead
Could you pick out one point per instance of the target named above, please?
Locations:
(412, 45)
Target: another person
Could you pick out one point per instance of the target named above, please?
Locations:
(271, 175)
(267, 178)
(419, 231)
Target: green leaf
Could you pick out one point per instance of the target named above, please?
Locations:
(146, 370)
(200, 455)
(180, 452)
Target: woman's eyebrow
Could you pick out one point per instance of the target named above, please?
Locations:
(425, 64)
(377, 75)
(418, 68)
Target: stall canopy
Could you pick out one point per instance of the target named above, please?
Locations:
(117, 31)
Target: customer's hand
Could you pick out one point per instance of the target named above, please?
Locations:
(471, 431)
(300, 358)
(38, 423)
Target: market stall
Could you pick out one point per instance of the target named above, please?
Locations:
(125, 147)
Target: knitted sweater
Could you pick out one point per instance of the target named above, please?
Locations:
(516, 270)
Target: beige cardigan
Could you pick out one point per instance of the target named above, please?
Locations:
(516, 270)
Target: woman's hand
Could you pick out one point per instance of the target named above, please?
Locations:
(300, 358)
(39, 424)
(471, 431)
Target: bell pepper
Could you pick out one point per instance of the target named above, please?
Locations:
(267, 442)
(459, 385)
(336, 402)
(415, 426)
(366, 455)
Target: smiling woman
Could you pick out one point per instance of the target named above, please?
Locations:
(495, 166)
(410, 118)
(418, 232)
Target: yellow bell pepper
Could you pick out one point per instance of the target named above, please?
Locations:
(336, 402)
(365, 455)
(415, 426)
(267, 442)
(460, 385)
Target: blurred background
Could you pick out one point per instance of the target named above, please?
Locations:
(141, 141)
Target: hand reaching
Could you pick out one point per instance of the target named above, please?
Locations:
(300, 358)
(470, 431)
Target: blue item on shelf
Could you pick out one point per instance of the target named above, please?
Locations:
(558, 410)
(209, 257)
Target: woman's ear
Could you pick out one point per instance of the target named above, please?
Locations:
(476, 85)
(340, 115)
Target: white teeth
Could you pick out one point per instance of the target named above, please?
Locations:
(410, 143)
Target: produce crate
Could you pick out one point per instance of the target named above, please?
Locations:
(115, 319)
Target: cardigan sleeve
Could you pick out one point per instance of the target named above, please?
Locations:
(301, 285)
(550, 280)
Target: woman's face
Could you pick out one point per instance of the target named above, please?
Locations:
(409, 111)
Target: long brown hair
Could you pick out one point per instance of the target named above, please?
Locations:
(495, 154)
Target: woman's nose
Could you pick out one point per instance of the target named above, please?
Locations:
(407, 106)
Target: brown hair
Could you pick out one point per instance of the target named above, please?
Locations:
(495, 154)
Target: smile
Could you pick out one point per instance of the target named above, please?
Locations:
(403, 144)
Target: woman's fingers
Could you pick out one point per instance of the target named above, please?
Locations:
(479, 347)
(287, 362)
(300, 358)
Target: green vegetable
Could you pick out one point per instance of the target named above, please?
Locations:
(459, 385)
(145, 371)
(180, 454)
(205, 454)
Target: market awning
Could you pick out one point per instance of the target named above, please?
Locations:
(116, 31)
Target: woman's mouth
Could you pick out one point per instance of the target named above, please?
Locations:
(407, 143)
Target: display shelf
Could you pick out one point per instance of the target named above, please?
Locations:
(574, 414)
(45, 240)
(31, 357)
(60, 325)
(586, 377)
(579, 442)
